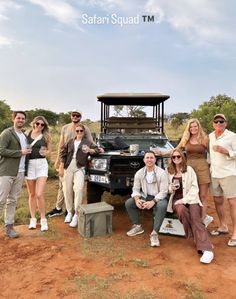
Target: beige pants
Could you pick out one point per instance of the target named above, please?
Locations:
(10, 188)
(73, 183)
(60, 194)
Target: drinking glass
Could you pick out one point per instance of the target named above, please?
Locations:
(43, 150)
(176, 183)
(85, 148)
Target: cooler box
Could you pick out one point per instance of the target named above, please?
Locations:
(95, 219)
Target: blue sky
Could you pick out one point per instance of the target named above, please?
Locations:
(50, 58)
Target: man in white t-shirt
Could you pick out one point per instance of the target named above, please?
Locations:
(67, 133)
(223, 172)
(13, 149)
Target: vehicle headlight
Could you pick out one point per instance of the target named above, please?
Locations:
(99, 164)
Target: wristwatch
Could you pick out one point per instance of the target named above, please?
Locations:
(155, 200)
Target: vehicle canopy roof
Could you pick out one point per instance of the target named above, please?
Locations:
(135, 99)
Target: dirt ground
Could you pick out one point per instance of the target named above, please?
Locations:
(62, 264)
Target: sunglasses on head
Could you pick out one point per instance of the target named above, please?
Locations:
(77, 131)
(176, 157)
(75, 115)
(221, 121)
(40, 124)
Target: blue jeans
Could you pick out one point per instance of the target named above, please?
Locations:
(159, 211)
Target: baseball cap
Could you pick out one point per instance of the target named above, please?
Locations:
(219, 115)
(76, 111)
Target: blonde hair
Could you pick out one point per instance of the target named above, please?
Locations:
(45, 130)
(171, 165)
(201, 136)
(81, 126)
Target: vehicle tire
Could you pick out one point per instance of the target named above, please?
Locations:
(94, 193)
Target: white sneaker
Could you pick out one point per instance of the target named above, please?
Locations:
(135, 230)
(74, 221)
(44, 225)
(207, 257)
(68, 217)
(33, 223)
(207, 220)
(154, 240)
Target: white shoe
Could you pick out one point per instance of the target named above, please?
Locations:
(33, 223)
(207, 257)
(74, 221)
(207, 220)
(68, 217)
(44, 224)
(154, 240)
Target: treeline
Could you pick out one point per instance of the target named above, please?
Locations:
(53, 118)
(205, 112)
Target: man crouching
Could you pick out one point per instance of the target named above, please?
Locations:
(149, 191)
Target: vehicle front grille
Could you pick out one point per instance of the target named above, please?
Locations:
(126, 167)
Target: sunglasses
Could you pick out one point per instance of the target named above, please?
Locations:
(40, 124)
(75, 115)
(219, 121)
(77, 131)
(176, 157)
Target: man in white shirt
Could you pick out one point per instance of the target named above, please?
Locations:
(67, 133)
(13, 149)
(223, 172)
(149, 192)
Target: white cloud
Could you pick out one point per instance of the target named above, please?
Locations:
(5, 7)
(106, 4)
(5, 41)
(201, 21)
(60, 10)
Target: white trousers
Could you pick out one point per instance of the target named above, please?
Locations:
(73, 183)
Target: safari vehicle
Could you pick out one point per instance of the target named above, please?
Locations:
(114, 170)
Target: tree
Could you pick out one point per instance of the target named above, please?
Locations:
(64, 118)
(50, 116)
(177, 119)
(130, 111)
(218, 104)
(5, 119)
(136, 111)
(118, 109)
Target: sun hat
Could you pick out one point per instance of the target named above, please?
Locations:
(219, 115)
(76, 111)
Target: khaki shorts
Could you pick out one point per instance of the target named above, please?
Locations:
(224, 186)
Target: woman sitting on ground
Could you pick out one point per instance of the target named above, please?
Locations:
(73, 159)
(184, 201)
